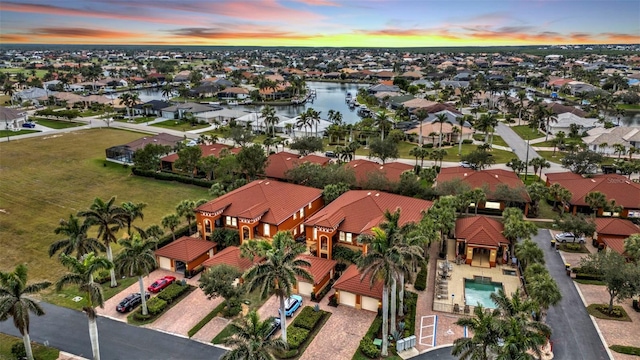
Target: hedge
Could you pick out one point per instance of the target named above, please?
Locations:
(156, 305)
(368, 349)
(172, 292)
(467, 141)
(410, 301)
(375, 327)
(206, 319)
(102, 276)
(296, 336)
(421, 279)
(308, 318)
(173, 177)
(629, 350)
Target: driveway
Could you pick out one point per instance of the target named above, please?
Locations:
(186, 314)
(574, 335)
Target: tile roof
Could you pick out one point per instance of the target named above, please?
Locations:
(614, 243)
(231, 256)
(8, 114)
(276, 201)
(185, 249)
(207, 150)
(362, 168)
(478, 179)
(615, 187)
(614, 226)
(480, 230)
(351, 281)
(357, 211)
(279, 163)
(319, 267)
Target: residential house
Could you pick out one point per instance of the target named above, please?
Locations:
(602, 140)
(233, 93)
(12, 118)
(611, 233)
(232, 256)
(558, 109)
(321, 270)
(479, 241)
(167, 163)
(260, 209)
(383, 88)
(565, 120)
(184, 254)
(365, 170)
(123, 154)
(489, 181)
(279, 163)
(153, 107)
(615, 187)
(355, 291)
(178, 111)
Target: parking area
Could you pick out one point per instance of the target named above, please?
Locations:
(427, 335)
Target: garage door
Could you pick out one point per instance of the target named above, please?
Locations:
(165, 263)
(369, 303)
(305, 288)
(347, 298)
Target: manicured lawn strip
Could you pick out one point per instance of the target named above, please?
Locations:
(312, 333)
(179, 125)
(526, 133)
(589, 282)
(133, 321)
(206, 319)
(225, 333)
(138, 120)
(629, 350)
(546, 211)
(40, 352)
(593, 311)
(64, 297)
(543, 224)
(629, 106)
(45, 179)
(9, 133)
(570, 248)
(497, 139)
(56, 124)
(549, 156)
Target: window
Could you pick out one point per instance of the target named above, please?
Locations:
(228, 220)
(267, 230)
(231, 221)
(309, 206)
(295, 215)
(301, 213)
(295, 231)
(349, 239)
(346, 237)
(207, 225)
(341, 236)
(315, 234)
(301, 228)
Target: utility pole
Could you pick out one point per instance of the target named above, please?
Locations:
(526, 165)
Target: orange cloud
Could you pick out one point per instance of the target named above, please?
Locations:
(82, 33)
(223, 33)
(13, 38)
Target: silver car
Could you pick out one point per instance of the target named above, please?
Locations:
(567, 236)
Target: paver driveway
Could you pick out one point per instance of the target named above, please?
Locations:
(184, 315)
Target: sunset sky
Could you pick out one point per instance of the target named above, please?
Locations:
(371, 23)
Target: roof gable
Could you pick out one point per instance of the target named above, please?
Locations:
(614, 226)
(351, 281)
(231, 256)
(185, 249)
(480, 230)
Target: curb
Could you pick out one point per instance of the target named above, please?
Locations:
(436, 348)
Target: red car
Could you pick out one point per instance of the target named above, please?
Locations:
(161, 283)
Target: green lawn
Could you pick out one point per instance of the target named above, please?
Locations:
(27, 73)
(65, 296)
(629, 106)
(57, 124)
(40, 352)
(497, 139)
(138, 120)
(89, 112)
(527, 133)
(546, 211)
(46, 179)
(9, 133)
(179, 125)
(557, 158)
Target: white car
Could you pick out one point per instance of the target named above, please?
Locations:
(567, 236)
(465, 164)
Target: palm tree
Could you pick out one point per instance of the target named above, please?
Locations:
(538, 164)
(167, 90)
(521, 95)
(187, 209)
(109, 219)
(15, 304)
(314, 118)
(277, 273)
(528, 252)
(441, 118)
(416, 152)
(564, 195)
(619, 149)
(136, 258)
(559, 140)
(595, 200)
(486, 328)
(133, 212)
(8, 90)
(81, 275)
(171, 222)
(422, 115)
(461, 122)
(304, 120)
(250, 340)
(269, 117)
(76, 239)
(382, 122)
(477, 196)
(545, 292)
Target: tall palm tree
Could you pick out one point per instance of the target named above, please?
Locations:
(549, 117)
(461, 122)
(304, 120)
(76, 239)
(270, 119)
(136, 258)
(522, 96)
(486, 328)
(15, 304)
(81, 275)
(110, 219)
(545, 292)
(171, 222)
(187, 209)
(382, 122)
(422, 115)
(528, 252)
(522, 336)
(250, 340)
(167, 90)
(277, 273)
(441, 118)
(133, 212)
(595, 200)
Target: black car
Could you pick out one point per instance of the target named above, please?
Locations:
(275, 325)
(127, 304)
(330, 154)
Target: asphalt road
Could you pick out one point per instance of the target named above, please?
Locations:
(67, 330)
(574, 335)
(515, 142)
(440, 354)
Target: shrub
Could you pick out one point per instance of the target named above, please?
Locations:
(296, 336)
(286, 354)
(427, 146)
(636, 307)
(173, 177)
(140, 317)
(317, 297)
(172, 291)
(156, 305)
(573, 247)
(421, 279)
(467, 141)
(18, 351)
(102, 277)
(629, 350)
(308, 318)
(235, 307)
(375, 327)
(583, 276)
(410, 302)
(368, 349)
(333, 301)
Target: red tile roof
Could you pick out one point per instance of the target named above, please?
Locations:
(357, 211)
(480, 230)
(478, 179)
(185, 249)
(614, 243)
(614, 226)
(567, 175)
(275, 201)
(207, 150)
(231, 256)
(362, 168)
(279, 163)
(319, 267)
(614, 187)
(351, 281)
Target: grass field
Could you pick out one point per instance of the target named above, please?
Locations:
(527, 133)
(179, 125)
(57, 124)
(27, 73)
(497, 139)
(138, 120)
(45, 179)
(557, 158)
(40, 352)
(9, 133)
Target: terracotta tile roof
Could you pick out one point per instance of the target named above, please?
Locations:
(315, 159)
(480, 230)
(362, 168)
(279, 163)
(231, 256)
(615, 187)
(319, 267)
(567, 175)
(276, 201)
(185, 249)
(357, 211)
(436, 108)
(614, 226)
(350, 281)
(614, 243)
(478, 179)
(207, 150)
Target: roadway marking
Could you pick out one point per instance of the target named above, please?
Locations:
(428, 324)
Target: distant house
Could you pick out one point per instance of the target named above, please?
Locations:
(12, 118)
(123, 154)
(565, 120)
(167, 163)
(365, 170)
(602, 140)
(281, 162)
(153, 107)
(233, 93)
(383, 88)
(178, 111)
(611, 233)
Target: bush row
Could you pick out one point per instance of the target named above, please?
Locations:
(307, 319)
(235, 307)
(410, 302)
(421, 279)
(368, 349)
(296, 336)
(172, 292)
(629, 350)
(156, 305)
(172, 177)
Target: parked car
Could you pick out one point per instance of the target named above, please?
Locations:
(465, 164)
(291, 304)
(29, 125)
(130, 302)
(161, 283)
(330, 154)
(567, 236)
(275, 325)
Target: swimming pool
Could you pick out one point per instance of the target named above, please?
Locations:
(479, 291)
